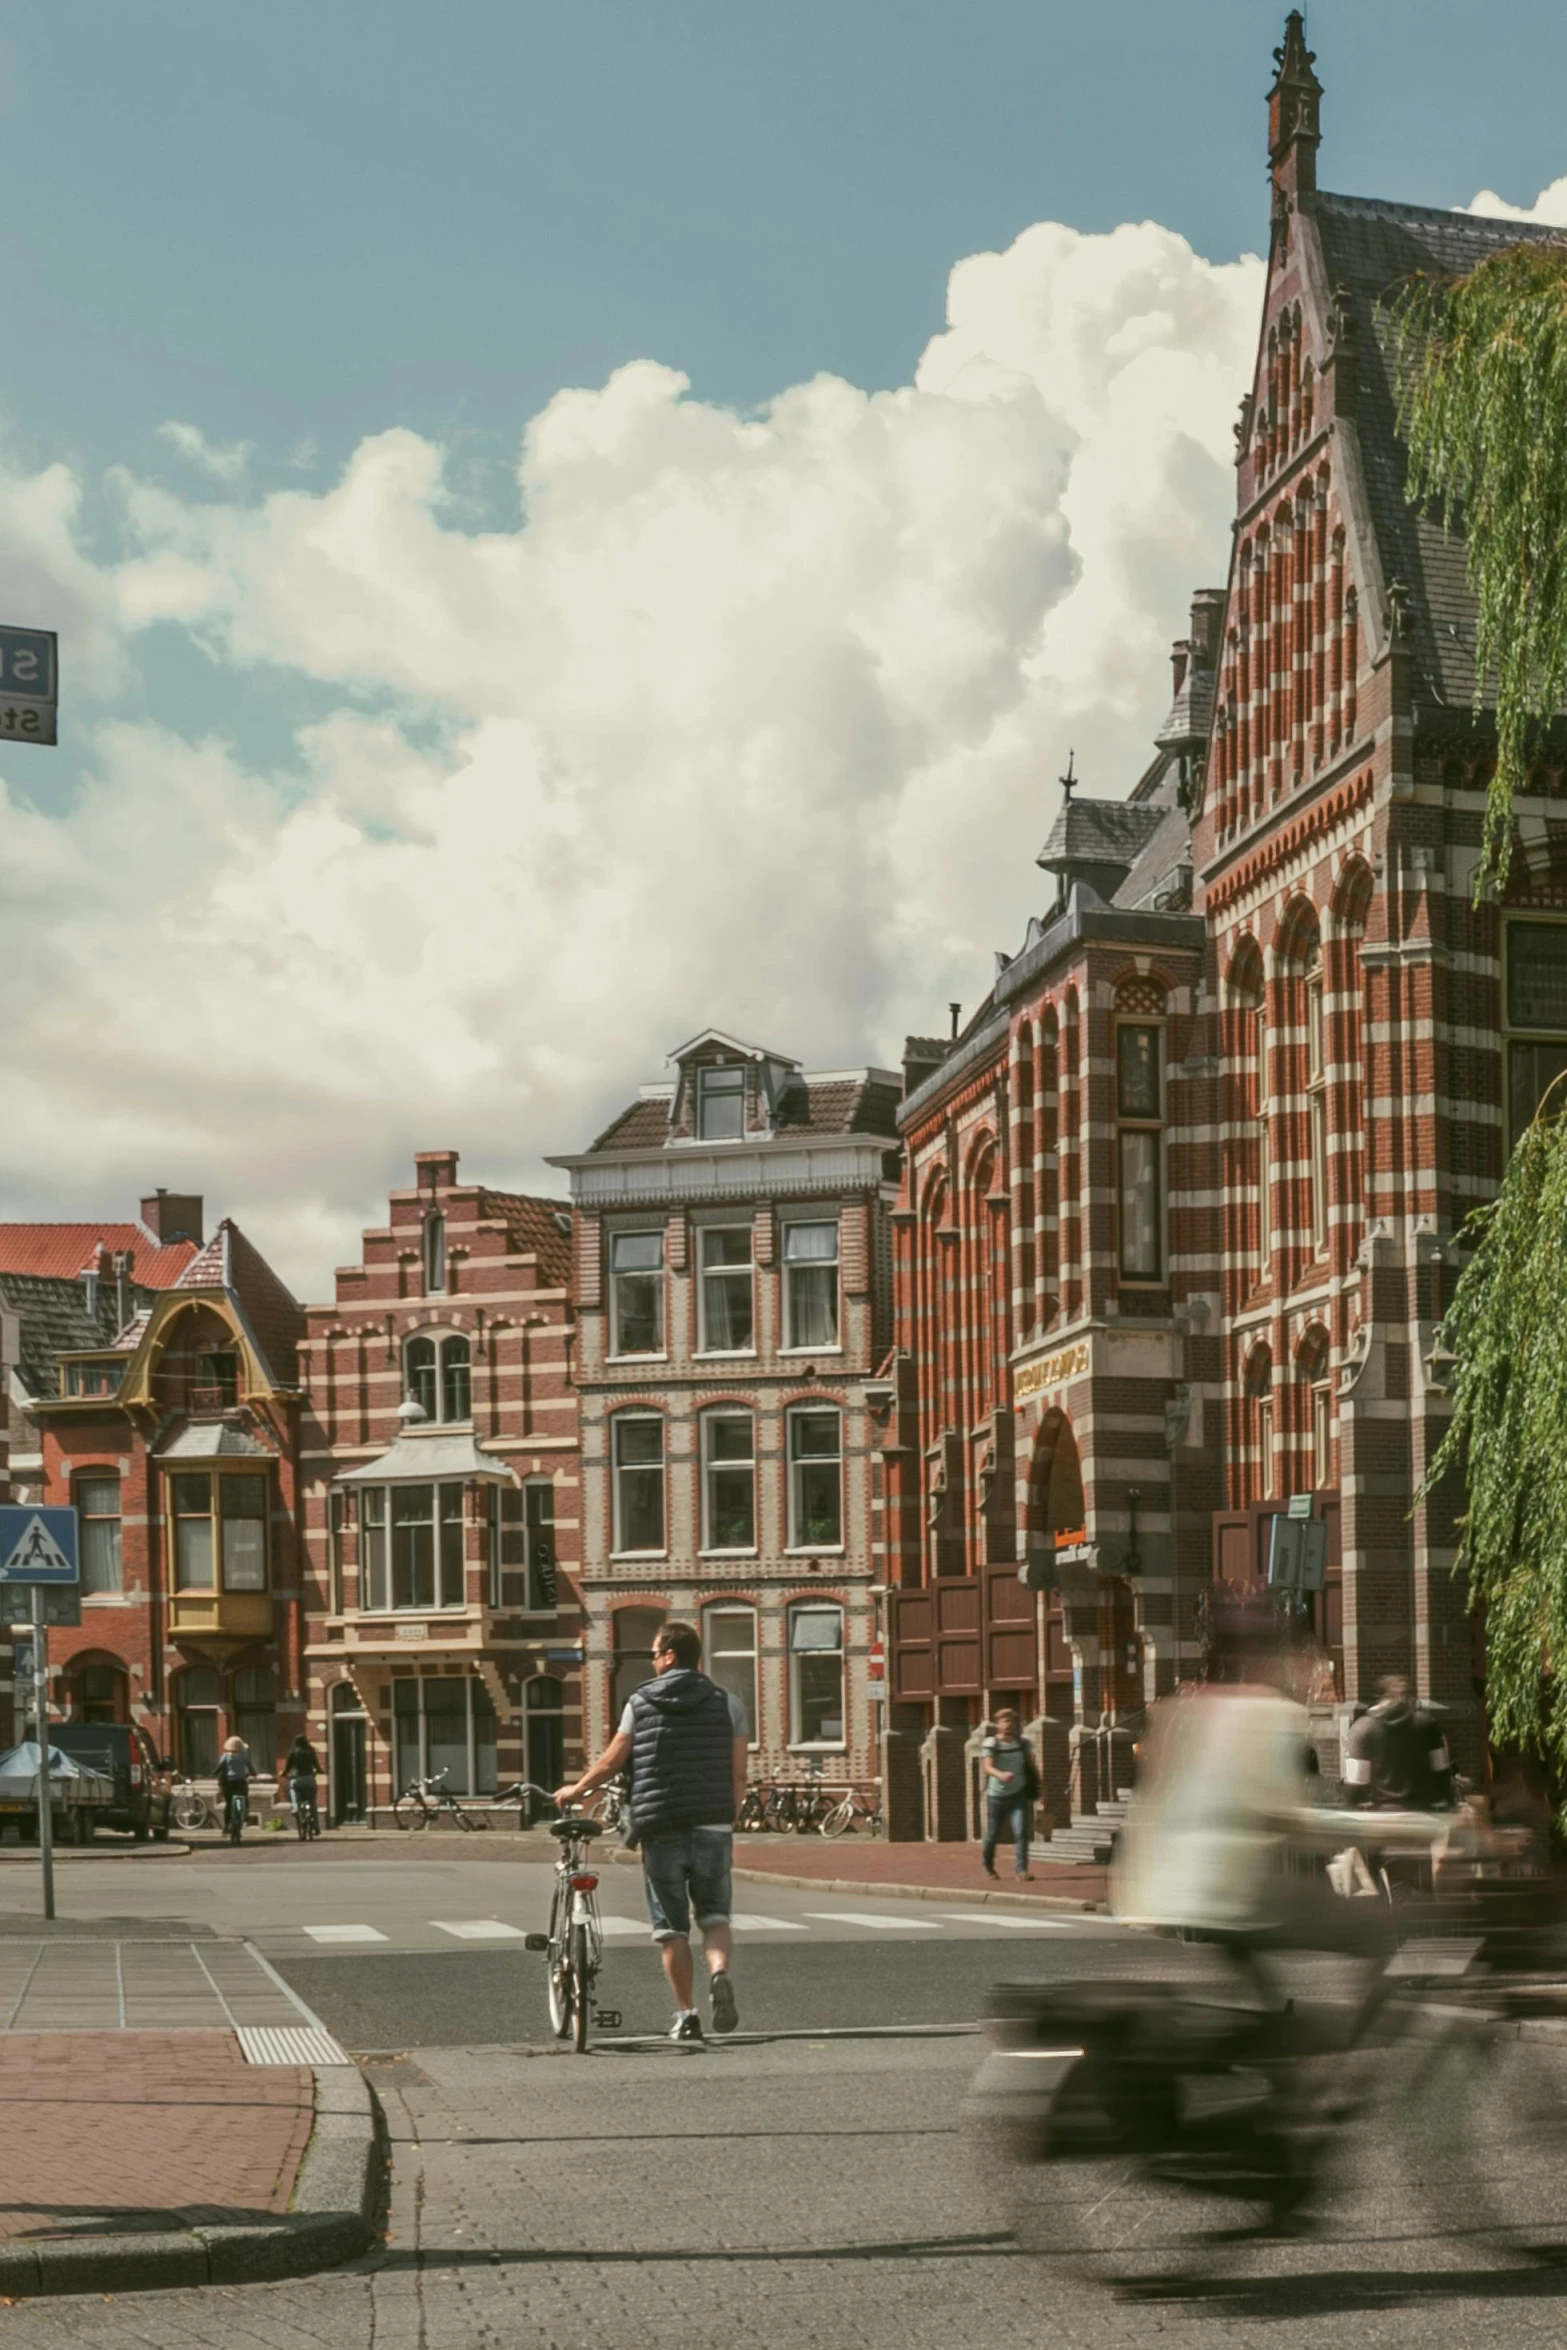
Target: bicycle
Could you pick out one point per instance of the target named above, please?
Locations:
(608, 1807)
(843, 1816)
(236, 1813)
(424, 1800)
(574, 1945)
(307, 1819)
(190, 1808)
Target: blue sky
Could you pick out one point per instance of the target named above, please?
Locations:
(570, 523)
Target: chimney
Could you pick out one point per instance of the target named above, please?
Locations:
(1207, 620)
(123, 1261)
(92, 1279)
(173, 1215)
(922, 1057)
(435, 1170)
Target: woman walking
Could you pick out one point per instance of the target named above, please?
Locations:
(1011, 1790)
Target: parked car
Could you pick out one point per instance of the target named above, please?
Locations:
(143, 1780)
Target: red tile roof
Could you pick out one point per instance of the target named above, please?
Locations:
(67, 1250)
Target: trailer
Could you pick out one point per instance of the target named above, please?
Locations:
(78, 1794)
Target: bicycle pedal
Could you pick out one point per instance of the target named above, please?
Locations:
(606, 2019)
(535, 1941)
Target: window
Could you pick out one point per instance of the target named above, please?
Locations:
(244, 1512)
(727, 1321)
(636, 1287)
(192, 1512)
(445, 1724)
(215, 1381)
(102, 1694)
(434, 1256)
(810, 1254)
(1321, 1435)
(198, 1696)
(639, 1483)
(437, 1374)
(816, 1676)
(255, 1715)
(1138, 1105)
(729, 1655)
(1536, 1001)
(728, 1481)
(815, 1480)
(93, 1378)
(336, 1526)
(720, 1104)
(1265, 1448)
(411, 1547)
(1264, 1158)
(633, 1655)
(1317, 1105)
(522, 1547)
(98, 1504)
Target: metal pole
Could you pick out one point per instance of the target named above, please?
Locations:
(41, 1709)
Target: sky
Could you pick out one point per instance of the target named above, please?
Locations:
(572, 523)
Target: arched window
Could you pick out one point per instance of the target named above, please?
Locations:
(1315, 1420)
(1139, 1112)
(1316, 1098)
(438, 1376)
(1259, 1414)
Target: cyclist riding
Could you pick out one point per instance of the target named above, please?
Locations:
(300, 1774)
(234, 1774)
(1395, 1757)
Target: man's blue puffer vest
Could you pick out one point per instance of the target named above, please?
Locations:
(682, 1754)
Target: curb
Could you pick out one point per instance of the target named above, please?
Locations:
(899, 1892)
(333, 2218)
(26, 1855)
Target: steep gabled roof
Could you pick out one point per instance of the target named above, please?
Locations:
(539, 1227)
(53, 1319)
(1370, 250)
(273, 1317)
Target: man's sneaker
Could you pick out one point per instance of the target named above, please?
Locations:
(687, 2027)
(725, 2013)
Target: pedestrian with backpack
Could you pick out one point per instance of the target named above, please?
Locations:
(1011, 1779)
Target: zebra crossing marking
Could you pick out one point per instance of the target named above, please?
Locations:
(865, 1917)
(345, 1933)
(477, 1929)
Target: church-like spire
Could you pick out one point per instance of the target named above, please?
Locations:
(1294, 120)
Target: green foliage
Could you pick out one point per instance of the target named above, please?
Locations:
(1507, 1329)
(1483, 407)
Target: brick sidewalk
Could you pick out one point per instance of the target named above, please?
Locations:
(142, 2130)
(946, 1868)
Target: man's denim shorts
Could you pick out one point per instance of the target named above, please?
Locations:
(686, 1869)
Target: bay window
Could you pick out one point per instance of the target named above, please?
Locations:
(728, 1322)
(98, 1509)
(816, 1714)
(410, 1548)
(219, 1518)
(728, 1481)
(810, 1265)
(815, 1480)
(636, 1293)
(638, 1468)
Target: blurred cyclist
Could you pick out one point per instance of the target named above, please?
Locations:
(1395, 1757)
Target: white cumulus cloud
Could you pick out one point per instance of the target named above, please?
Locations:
(750, 719)
(1549, 206)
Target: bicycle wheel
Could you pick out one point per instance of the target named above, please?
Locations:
(1487, 2119)
(409, 1811)
(558, 1963)
(580, 1989)
(190, 1811)
(840, 1819)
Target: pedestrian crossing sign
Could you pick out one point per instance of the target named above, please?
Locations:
(37, 1545)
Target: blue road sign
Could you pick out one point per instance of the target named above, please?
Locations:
(37, 1545)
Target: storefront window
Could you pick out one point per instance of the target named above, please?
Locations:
(444, 1724)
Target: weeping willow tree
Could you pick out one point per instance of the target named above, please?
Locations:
(1507, 1331)
(1483, 409)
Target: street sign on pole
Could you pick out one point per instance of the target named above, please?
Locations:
(29, 684)
(37, 1545)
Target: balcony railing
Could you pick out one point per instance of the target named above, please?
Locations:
(209, 1403)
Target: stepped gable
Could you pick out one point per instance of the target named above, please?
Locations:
(1370, 250)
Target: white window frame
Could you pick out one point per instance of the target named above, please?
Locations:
(810, 1264)
(113, 1519)
(729, 1274)
(710, 1466)
(799, 1744)
(732, 1611)
(658, 1274)
(617, 1469)
(798, 1412)
(441, 1343)
(440, 1518)
(727, 1092)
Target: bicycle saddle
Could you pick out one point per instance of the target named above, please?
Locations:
(577, 1827)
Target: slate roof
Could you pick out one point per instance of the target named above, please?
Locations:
(864, 1103)
(1370, 249)
(1098, 832)
(66, 1251)
(53, 1319)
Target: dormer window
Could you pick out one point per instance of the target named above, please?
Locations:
(720, 1104)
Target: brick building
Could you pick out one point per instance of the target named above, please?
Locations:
(1183, 1204)
(171, 1424)
(734, 1309)
(440, 1498)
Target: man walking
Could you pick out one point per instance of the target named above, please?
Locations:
(683, 1740)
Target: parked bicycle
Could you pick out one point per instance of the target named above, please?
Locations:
(574, 1946)
(787, 1806)
(429, 1798)
(843, 1818)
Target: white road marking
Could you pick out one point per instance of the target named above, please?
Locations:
(750, 1924)
(477, 1929)
(865, 1917)
(997, 1917)
(344, 1933)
